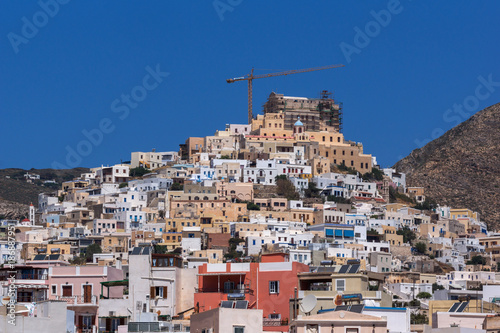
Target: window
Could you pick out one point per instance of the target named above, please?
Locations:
(274, 287)
(340, 285)
(54, 290)
(274, 316)
(67, 291)
(160, 292)
(239, 329)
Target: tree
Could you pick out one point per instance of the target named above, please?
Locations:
(344, 168)
(477, 260)
(428, 204)
(225, 157)
(418, 319)
(421, 247)
(139, 172)
(338, 199)
(375, 174)
(408, 234)
(424, 294)
(160, 249)
(176, 187)
(286, 189)
(122, 185)
(436, 286)
(232, 253)
(312, 191)
(91, 249)
(252, 206)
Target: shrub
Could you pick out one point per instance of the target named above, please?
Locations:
(139, 172)
(252, 206)
(421, 247)
(176, 187)
(424, 294)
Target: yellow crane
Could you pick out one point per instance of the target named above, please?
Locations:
(250, 77)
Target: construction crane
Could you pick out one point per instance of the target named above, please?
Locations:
(250, 77)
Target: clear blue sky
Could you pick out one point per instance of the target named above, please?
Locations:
(63, 76)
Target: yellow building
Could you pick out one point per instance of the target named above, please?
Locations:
(270, 136)
(389, 235)
(456, 213)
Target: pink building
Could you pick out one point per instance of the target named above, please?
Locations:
(80, 287)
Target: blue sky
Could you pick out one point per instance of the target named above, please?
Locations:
(63, 74)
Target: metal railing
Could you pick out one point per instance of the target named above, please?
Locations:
(225, 291)
(25, 276)
(78, 300)
(266, 322)
(30, 299)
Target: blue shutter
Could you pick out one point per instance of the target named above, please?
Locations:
(348, 233)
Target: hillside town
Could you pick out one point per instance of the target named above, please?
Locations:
(278, 225)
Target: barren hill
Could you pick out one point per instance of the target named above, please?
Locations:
(462, 167)
(16, 193)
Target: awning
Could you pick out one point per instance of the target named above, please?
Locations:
(115, 283)
(348, 233)
(338, 233)
(329, 232)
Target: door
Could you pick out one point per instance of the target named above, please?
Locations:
(87, 293)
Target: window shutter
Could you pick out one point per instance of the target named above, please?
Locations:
(152, 293)
(165, 292)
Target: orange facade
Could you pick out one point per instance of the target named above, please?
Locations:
(267, 286)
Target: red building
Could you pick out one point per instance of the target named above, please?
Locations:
(268, 285)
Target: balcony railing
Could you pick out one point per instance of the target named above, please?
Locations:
(78, 300)
(30, 299)
(25, 276)
(266, 322)
(225, 291)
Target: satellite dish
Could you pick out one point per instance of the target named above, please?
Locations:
(308, 303)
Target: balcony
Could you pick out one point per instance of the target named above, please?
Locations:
(25, 276)
(268, 322)
(78, 300)
(225, 291)
(30, 299)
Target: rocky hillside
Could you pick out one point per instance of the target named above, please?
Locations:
(16, 193)
(462, 167)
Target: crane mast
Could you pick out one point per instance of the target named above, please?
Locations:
(250, 77)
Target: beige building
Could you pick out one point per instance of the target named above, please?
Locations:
(214, 256)
(191, 147)
(225, 320)
(339, 322)
(390, 235)
(149, 160)
(240, 191)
